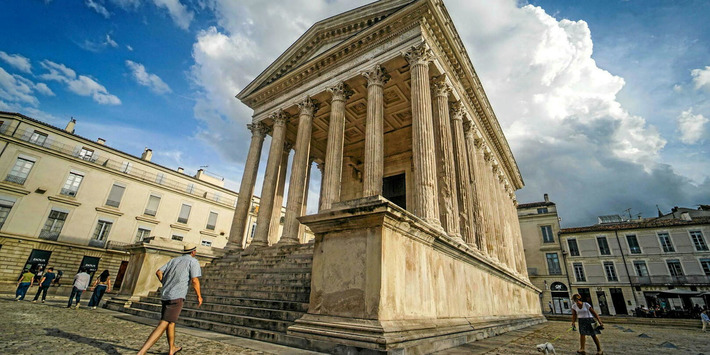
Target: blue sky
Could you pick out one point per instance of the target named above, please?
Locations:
(604, 103)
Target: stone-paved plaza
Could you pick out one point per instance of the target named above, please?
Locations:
(27, 328)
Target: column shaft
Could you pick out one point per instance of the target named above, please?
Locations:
(330, 186)
(374, 135)
(296, 192)
(237, 233)
(275, 224)
(466, 195)
(304, 209)
(268, 189)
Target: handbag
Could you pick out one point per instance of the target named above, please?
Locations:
(597, 326)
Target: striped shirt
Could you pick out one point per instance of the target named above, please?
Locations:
(177, 274)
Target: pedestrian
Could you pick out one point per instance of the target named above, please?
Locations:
(81, 283)
(585, 314)
(549, 304)
(38, 275)
(44, 284)
(705, 318)
(176, 277)
(101, 285)
(57, 281)
(23, 284)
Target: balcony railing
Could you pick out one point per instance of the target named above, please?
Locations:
(150, 213)
(670, 280)
(8, 129)
(97, 243)
(16, 179)
(49, 235)
(68, 192)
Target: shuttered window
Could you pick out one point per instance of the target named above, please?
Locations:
(115, 196)
(152, 208)
(212, 221)
(184, 213)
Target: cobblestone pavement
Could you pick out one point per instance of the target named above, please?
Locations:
(615, 339)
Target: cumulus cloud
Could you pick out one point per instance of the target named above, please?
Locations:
(152, 81)
(20, 90)
(17, 61)
(97, 46)
(701, 78)
(98, 7)
(79, 84)
(691, 127)
(178, 12)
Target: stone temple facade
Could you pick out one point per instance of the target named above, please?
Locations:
(417, 241)
(417, 237)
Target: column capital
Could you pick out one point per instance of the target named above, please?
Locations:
(308, 106)
(439, 85)
(280, 117)
(340, 92)
(487, 154)
(376, 76)
(458, 112)
(419, 55)
(258, 129)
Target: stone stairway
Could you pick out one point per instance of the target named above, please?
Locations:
(256, 296)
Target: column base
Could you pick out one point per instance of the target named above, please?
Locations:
(287, 241)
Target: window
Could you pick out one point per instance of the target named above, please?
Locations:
(102, 229)
(190, 188)
(115, 196)
(142, 234)
(177, 237)
(547, 234)
(159, 178)
(705, 263)
(20, 170)
(665, 239)
(674, 267)
(553, 264)
(126, 167)
(634, 247)
(573, 248)
(71, 186)
(5, 207)
(85, 153)
(206, 243)
(641, 269)
(152, 208)
(542, 210)
(212, 221)
(610, 271)
(184, 213)
(698, 240)
(54, 225)
(579, 272)
(38, 138)
(603, 246)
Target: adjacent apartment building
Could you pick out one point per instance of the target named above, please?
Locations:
(69, 201)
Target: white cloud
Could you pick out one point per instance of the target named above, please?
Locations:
(79, 84)
(701, 78)
(178, 12)
(691, 127)
(98, 46)
(130, 49)
(98, 7)
(19, 62)
(152, 81)
(110, 41)
(14, 89)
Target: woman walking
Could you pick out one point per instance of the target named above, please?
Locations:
(585, 314)
(101, 286)
(23, 284)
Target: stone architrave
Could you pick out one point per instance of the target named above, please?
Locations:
(237, 233)
(268, 189)
(466, 197)
(279, 198)
(446, 168)
(374, 131)
(330, 191)
(296, 192)
(426, 204)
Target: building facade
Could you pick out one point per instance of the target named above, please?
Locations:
(618, 265)
(540, 225)
(68, 201)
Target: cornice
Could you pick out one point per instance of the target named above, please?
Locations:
(64, 200)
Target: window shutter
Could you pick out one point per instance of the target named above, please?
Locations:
(212, 221)
(95, 157)
(184, 213)
(115, 196)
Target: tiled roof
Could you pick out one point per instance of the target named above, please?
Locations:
(535, 204)
(650, 223)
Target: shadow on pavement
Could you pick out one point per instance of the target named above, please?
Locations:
(104, 346)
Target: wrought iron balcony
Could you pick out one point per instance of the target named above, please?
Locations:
(668, 280)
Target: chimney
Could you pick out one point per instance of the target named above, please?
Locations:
(101, 141)
(70, 125)
(181, 170)
(147, 154)
(547, 198)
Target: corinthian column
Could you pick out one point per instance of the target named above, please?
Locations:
(296, 192)
(279, 199)
(448, 196)
(237, 233)
(304, 209)
(374, 135)
(466, 197)
(268, 189)
(475, 145)
(330, 186)
(423, 153)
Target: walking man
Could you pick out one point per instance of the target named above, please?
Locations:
(176, 277)
(81, 283)
(44, 284)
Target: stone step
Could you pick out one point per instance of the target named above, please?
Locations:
(288, 305)
(264, 295)
(211, 306)
(205, 282)
(259, 287)
(235, 271)
(264, 263)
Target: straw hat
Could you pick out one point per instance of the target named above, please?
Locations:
(188, 248)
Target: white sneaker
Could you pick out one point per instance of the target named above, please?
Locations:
(94, 307)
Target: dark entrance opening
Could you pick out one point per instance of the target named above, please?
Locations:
(37, 259)
(121, 273)
(586, 296)
(394, 188)
(91, 264)
(617, 298)
(603, 305)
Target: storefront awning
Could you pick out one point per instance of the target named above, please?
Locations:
(673, 293)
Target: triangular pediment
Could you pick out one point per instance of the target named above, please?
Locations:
(323, 36)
